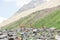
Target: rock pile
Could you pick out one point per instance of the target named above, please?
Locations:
(30, 34)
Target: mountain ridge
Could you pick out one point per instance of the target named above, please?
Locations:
(30, 5)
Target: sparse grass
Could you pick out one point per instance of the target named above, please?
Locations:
(52, 20)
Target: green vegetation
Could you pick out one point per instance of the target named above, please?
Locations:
(52, 20)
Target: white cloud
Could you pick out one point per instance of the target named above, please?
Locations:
(2, 19)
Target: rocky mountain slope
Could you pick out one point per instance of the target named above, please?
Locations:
(32, 15)
(47, 17)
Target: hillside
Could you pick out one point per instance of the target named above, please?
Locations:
(25, 13)
(49, 17)
(33, 16)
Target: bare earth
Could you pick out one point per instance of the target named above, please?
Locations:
(50, 4)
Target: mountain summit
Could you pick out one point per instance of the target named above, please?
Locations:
(30, 5)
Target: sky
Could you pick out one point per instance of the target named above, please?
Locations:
(9, 7)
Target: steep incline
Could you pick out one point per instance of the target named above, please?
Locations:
(39, 18)
(51, 4)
